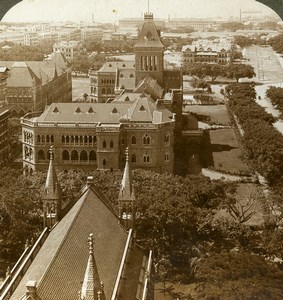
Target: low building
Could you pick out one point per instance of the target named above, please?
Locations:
(66, 48)
(205, 51)
(196, 24)
(4, 135)
(95, 135)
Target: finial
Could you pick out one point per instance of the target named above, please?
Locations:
(90, 243)
(99, 293)
(27, 244)
(8, 272)
(51, 152)
(127, 154)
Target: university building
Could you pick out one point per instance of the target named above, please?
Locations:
(138, 105)
(87, 250)
(31, 85)
(4, 135)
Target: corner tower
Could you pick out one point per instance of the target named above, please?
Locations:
(149, 52)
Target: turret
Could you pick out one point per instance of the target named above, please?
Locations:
(127, 198)
(51, 194)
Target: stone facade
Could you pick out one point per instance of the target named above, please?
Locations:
(4, 135)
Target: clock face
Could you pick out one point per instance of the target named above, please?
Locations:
(149, 36)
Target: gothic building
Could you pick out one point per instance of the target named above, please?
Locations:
(86, 251)
(31, 85)
(4, 135)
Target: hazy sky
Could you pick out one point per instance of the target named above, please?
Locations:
(112, 10)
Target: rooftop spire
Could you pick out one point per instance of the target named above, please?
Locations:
(92, 289)
(52, 187)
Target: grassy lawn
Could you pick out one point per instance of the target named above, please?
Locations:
(217, 113)
(225, 151)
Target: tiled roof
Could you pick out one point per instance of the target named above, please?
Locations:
(21, 76)
(60, 265)
(111, 66)
(127, 97)
(88, 113)
(148, 36)
(151, 86)
(126, 79)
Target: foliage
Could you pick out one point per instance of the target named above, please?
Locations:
(276, 96)
(232, 26)
(238, 276)
(202, 70)
(277, 43)
(198, 83)
(263, 144)
(237, 71)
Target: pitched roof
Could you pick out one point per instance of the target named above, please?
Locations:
(126, 79)
(150, 86)
(21, 76)
(111, 66)
(60, 265)
(149, 36)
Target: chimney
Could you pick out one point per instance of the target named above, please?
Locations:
(31, 289)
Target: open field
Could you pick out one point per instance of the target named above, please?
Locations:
(217, 113)
(225, 151)
(80, 85)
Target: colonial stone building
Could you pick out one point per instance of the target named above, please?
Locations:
(32, 85)
(95, 135)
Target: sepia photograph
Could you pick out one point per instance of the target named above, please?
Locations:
(141, 150)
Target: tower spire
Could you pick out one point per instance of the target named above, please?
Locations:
(51, 194)
(92, 289)
(127, 198)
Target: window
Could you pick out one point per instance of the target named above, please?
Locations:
(103, 91)
(41, 155)
(111, 144)
(47, 139)
(146, 158)
(52, 138)
(38, 138)
(74, 155)
(146, 140)
(167, 139)
(65, 155)
(134, 158)
(166, 157)
(104, 144)
(43, 139)
(134, 140)
(104, 162)
(63, 139)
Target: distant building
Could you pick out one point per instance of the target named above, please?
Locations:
(135, 24)
(66, 48)
(196, 24)
(32, 85)
(4, 135)
(30, 38)
(204, 51)
(4, 73)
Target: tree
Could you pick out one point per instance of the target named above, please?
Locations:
(238, 276)
(198, 83)
(238, 71)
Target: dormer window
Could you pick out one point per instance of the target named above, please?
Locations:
(55, 110)
(142, 108)
(121, 75)
(127, 99)
(114, 111)
(123, 65)
(90, 111)
(131, 75)
(78, 110)
(110, 65)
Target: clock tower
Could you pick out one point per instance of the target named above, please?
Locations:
(149, 52)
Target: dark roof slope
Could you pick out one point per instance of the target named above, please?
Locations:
(60, 265)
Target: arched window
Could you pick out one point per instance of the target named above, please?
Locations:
(74, 155)
(103, 91)
(94, 139)
(167, 139)
(146, 158)
(134, 158)
(47, 139)
(92, 155)
(134, 140)
(42, 138)
(104, 162)
(65, 155)
(83, 155)
(166, 156)
(72, 139)
(63, 139)
(108, 91)
(67, 139)
(52, 138)
(111, 144)
(146, 140)
(85, 139)
(76, 139)
(41, 155)
(81, 139)
(38, 138)
(104, 145)
(90, 139)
